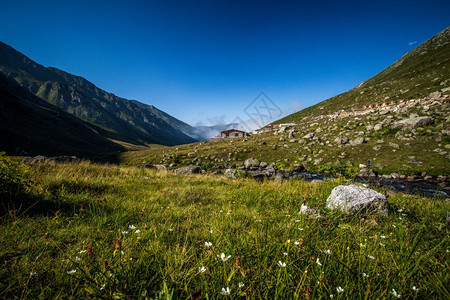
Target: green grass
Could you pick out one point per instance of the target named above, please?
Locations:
(73, 217)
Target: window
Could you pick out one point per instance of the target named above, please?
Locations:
(236, 134)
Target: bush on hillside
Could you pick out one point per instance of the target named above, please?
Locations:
(14, 176)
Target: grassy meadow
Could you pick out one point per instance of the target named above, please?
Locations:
(84, 230)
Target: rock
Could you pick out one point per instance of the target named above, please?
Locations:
(341, 140)
(280, 177)
(435, 95)
(376, 148)
(309, 136)
(305, 210)
(191, 154)
(251, 163)
(369, 127)
(263, 165)
(394, 145)
(188, 170)
(357, 141)
(231, 173)
(353, 198)
(366, 172)
(298, 168)
(378, 127)
(54, 159)
(414, 122)
(160, 167)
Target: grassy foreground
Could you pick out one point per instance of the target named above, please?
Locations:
(97, 231)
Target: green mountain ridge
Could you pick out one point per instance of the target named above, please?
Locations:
(31, 126)
(121, 119)
(416, 74)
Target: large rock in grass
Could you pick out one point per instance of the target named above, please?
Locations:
(353, 198)
(414, 122)
(188, 170)
(251, 163)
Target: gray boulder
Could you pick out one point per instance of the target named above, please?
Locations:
(353, 198)
(414, 122)
(251, 163)
(188, 170)
(341, 140)
(231, 173)
(357, 141)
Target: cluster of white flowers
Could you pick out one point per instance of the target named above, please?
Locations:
(71, 272)
(224, 257)
(226, 291)
(339, 289)
(281, 264)
(208, 244)
(202, 269)
(395, 294)
(318, 262)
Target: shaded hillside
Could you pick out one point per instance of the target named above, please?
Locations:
(31, 126)
(416, 74)
(121, 119)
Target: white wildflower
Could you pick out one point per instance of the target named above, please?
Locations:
(339, 289)
(241, 284)
(137, 231)
(301, 229)
(224, 257)
(382, 236)
(202, 269)
(365, 275)
(82, 251)
(32, 273)
(318, 262)
(124, 232)
(77, 258)
(132, 227)
(73, 271)
(208, 244)
(297, 243)
(395, 294)
(285, 253)
(171, 229)
(413, 288)
(370, 256)
(328, 251)
(281, 264)
(226, 291)
(102, 287)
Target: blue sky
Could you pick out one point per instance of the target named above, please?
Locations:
(205, 61)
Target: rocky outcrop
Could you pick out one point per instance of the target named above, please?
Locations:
(414, 122)
(251, 163)
(353, 198)
(54, 159)
(188, 170)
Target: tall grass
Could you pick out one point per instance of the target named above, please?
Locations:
(109, 232)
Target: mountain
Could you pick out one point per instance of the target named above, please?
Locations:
(31, 126)
(398, 119)
(417, 73)
(121, 119)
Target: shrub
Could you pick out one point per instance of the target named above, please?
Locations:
(14, 176)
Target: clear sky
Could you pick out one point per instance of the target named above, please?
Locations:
(204, 61)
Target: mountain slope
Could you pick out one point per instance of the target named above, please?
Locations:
(121, 119)
(423, 70)
(31, 126)
(409, 137)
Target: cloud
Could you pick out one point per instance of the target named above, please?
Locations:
(412, 43)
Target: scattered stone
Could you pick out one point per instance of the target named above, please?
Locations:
(357, 141)
(231, 173)
(188, 170)
(251, 163)
(414, 122)
(351, 198)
